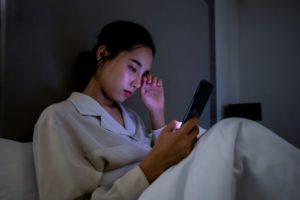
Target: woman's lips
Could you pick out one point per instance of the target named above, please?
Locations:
(127, 93)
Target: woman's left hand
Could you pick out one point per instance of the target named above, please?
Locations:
(152, 95)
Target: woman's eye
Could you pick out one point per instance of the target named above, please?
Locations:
(132, 68)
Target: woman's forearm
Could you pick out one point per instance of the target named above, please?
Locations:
(157, 119)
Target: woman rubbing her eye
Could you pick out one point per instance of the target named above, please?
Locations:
(90, 145)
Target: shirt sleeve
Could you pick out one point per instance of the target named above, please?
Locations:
(63, 171)
(123, 187)
(155, 133)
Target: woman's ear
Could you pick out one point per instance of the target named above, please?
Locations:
(102, 52)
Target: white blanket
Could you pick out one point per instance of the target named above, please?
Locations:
(235, 159)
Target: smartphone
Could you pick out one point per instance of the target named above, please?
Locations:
(199, 100)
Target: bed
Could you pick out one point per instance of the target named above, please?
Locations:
(17, 176)
(244, 160)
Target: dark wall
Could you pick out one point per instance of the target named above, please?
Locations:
(43, 39)
(258, 59)
(269, 63)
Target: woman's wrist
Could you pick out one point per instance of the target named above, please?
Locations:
(151, 168)
(157, 118)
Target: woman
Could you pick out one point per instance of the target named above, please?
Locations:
(90, 145)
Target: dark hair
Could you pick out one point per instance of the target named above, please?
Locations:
(117, 36)
(123, 36)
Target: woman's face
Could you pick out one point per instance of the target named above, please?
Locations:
(122, 76)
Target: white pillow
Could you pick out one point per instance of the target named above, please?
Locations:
(17, 175)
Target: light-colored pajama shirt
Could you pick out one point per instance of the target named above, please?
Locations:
(80, 150)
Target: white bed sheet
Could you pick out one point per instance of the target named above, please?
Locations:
(235, 159)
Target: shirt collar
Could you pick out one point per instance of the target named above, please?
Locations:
(86, 105)
(129, 120)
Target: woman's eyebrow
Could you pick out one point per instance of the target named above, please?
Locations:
(136, 62)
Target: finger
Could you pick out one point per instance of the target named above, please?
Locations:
(189, 125)
(194, 132)
(193, 137)
(171, 126)
(159, 82)
(154, 80)
(149, 78)
(145, 78)
(194, 140)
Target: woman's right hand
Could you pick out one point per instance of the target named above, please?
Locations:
(172, 146)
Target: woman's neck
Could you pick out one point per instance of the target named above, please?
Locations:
(95, 91)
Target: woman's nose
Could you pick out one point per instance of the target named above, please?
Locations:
(137, 82)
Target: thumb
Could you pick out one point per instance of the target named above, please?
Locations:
(171, 126)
